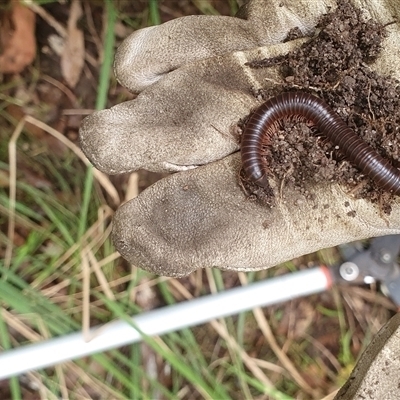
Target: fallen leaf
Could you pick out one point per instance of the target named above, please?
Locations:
(17, 38)
(73, 56)
(4, 179)
(57, 44)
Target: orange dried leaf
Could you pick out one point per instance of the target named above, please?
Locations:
(18, 39)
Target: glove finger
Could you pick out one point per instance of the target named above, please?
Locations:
(201, 218)
(149, 54)
(185, 120)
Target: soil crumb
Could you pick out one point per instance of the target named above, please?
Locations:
(334, 65)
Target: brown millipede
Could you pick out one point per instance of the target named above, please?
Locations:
(306, 107)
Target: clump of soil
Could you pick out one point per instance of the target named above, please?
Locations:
(334, 66)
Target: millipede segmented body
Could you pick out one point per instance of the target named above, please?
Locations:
(305, 107)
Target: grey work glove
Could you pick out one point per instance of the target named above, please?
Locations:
(194, 87)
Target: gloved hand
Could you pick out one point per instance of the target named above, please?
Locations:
(194, 88)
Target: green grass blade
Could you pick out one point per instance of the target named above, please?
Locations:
(6, 344)
(154, 14)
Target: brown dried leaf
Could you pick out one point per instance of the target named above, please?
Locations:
(4, 179)
(73, 57)
(17, 38)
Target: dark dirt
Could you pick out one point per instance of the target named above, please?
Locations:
(334, 65)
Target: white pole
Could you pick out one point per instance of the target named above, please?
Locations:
(164, 320)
